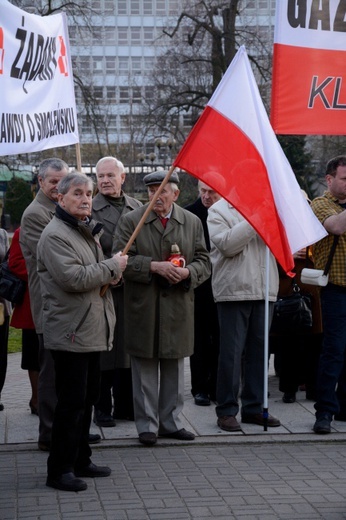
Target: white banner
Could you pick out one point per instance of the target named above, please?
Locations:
(309, 75)
(37, 102)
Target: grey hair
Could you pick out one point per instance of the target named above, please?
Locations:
(53, 163)
(74, 179)
(116, 162)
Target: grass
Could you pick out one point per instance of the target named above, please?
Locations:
(15, 340)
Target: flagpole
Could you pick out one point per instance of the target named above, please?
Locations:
(78, 158)
(142, 220)
(266, 343)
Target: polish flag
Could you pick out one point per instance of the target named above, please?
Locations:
(234, 150)
(309, 74)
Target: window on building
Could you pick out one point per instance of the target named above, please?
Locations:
(96, 4)
(149, 93)
(148, 34)
(148, 7)
(111, 123)
(109, 35)
(97, 37)
(134, 7)
(111, 92)
(124, 95)
(97, 64)
(85, 65)
(136, 64)
(173, 7)
(86, 125)
(136, 95)
(123, 64)
(110, 65)
(135, 35)
(72, 34)
(98, 92)
(109, 7)
(160, 7)
(122, 6)
(149, 62)
(123, 38)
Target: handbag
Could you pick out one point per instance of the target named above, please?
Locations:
(12, 288)
(319, 276)
(292, 313)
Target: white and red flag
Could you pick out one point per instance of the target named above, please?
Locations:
(37, 101)
(234, 150)
(309, 68)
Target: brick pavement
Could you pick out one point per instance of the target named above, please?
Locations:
(285, 473)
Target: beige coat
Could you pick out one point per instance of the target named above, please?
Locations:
(72, 270)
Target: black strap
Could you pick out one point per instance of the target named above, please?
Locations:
(331, 254)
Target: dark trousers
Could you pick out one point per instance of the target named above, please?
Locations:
(116, 383)
(4, 329)
(203, 362)
(77, 379)
(241, 359)
(332, 369)
(46, 392)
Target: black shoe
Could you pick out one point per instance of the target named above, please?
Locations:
(67, 482)
(289, 397)
(1, 407)
(202, 399)
(94, 438)
(257, 418)
(147, 438)
(93, 471)
(181, 435)
(104, 420)
(43, 446)
(322, 424)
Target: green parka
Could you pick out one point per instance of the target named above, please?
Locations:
(159, 318)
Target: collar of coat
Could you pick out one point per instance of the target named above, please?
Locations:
(95, 227)
(177, 214)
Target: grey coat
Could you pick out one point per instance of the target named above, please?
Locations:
(159, 319)
(35, 218)
(72, 270)
(103, 211)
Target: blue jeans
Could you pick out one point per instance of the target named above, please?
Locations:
(331, 371)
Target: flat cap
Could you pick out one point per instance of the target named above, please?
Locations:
(158, 176)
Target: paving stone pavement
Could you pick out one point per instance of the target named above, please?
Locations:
(284, 473)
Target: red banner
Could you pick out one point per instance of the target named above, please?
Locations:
(309, 68)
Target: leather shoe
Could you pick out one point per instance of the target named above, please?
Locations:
(181, 435)
(94, 438)
(93, 471)
(322, 424)
(202, 399)
(147, 438)
(289, 397)
(228, 423)
(67, 482)
(104, 420)
(257, 418)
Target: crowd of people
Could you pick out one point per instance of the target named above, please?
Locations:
(108, 317)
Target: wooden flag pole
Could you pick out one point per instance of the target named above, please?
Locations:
(78, 158)
(142, 220)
